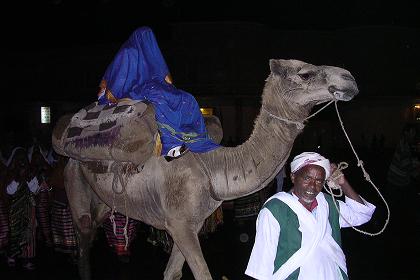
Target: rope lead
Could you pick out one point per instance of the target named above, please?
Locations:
(116, 169)
(300, 125)
(367, 178)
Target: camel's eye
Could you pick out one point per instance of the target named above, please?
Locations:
(306, 75)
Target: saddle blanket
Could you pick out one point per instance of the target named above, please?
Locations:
(125, 132)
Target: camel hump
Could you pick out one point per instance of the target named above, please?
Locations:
(124, 131)
(214, 128)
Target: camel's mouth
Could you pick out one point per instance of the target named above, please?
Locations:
(340, 95)
(343, 95)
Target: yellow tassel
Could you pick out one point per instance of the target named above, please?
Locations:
(111, 97)
(158, 146)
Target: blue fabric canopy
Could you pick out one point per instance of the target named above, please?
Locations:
(138, 72)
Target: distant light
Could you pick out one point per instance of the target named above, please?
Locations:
(206, 111)
(45, 115)
(417, 112)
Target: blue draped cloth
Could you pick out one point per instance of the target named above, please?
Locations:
(138, 72)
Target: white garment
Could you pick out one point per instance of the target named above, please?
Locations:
(33, 186)
(319, 255)
(12, 187)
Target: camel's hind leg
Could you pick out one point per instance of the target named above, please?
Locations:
(186, 238)
(174, 266)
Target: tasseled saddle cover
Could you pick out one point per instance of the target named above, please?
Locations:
(125, 132)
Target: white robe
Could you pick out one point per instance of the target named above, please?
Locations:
(319, 256)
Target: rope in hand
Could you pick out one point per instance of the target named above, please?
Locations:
(332, 179)
(338, 173)
(300, 125)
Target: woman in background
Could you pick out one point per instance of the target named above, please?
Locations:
(21, 187)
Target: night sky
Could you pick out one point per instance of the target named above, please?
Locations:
(37, 26)
(66, 22)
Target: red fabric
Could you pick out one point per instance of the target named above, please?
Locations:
(118, 241)
(310, 207)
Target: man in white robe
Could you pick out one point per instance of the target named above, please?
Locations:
(298, 233)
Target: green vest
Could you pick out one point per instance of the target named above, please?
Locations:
(291, 238)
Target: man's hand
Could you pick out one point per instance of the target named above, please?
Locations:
(338, 177)
(341, 180)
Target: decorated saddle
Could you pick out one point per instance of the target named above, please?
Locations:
(124, 132)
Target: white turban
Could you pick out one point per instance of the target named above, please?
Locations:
(307, 158)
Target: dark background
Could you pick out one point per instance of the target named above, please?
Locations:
(32, 29)
(54, 52)
(33, 24)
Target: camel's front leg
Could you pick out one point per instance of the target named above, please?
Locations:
(186, 238)
(80, 196)
(81, 200)
(174, 266)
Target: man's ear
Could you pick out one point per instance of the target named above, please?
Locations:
(292, 177)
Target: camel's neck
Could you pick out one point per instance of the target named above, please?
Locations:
(249, 167)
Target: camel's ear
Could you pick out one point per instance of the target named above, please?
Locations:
(278, 67)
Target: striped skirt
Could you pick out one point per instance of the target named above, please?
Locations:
(4, 225)
(64, 235)
(247, 207)
(211, 223)
(43, 216)
(117, 241)
(22, 238)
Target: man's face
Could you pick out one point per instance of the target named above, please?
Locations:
(308, 182)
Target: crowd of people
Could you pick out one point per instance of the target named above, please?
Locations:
(35, 212)
(28, 206)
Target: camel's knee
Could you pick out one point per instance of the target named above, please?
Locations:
(85, 224)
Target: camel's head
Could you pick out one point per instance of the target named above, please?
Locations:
(307, 84)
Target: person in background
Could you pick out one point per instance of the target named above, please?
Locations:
(41, 168)
(298, 233)
(4, 211)
(119, 241)
(21, 188)
(405, 166)
(280, 179)
(403, 182)
(63, 233)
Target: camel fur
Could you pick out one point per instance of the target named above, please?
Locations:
(179, 195)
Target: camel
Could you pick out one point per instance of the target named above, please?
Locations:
(179, 195)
